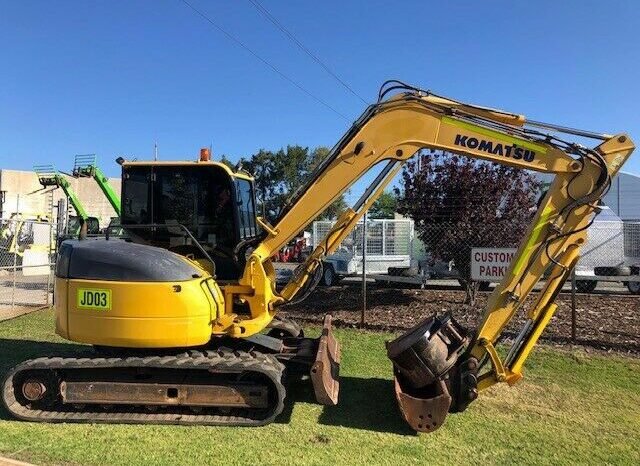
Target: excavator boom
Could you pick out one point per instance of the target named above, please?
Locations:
(392, 131)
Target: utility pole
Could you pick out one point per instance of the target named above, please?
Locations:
(364, 269)
(619, 212)
(155, 151)
(573, 307)
(3, 199)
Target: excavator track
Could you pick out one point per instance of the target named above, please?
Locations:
(197, 387)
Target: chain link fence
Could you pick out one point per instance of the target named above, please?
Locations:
(609, 263)
(609, 259)
(606, 316)
(27, 249)
(384, 236)
(441, 253)
(631, 234)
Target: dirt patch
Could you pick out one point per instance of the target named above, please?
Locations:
(603, 321)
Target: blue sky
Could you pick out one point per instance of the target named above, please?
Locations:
(112, 77)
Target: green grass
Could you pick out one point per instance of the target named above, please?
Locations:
(571, 408)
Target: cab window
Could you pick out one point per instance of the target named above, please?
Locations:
(246, 209)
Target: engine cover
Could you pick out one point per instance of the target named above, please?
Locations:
(121, 294)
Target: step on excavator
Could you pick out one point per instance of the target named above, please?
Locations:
(182, 317)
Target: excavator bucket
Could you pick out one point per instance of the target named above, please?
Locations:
(326, 368)
(423, 414)
(427, 377)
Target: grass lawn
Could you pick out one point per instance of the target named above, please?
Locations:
(572, 407)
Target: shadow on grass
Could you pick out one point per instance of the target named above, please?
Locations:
(367, 404)
(364, 403)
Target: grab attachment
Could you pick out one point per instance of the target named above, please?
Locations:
(432, 375)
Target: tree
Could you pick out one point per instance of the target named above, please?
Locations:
(334, 210)
(225, 160)
(458, 203)
(262, 166)
(280, 174)
(385, 206)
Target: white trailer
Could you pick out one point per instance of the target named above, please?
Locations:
(610, 254)
(389, 246)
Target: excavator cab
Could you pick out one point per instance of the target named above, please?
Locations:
(201, 210)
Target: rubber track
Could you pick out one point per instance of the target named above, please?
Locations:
(224, 362)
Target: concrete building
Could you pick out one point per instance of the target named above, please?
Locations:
(21, 192)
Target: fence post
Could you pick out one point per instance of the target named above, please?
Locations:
(364, 269)
(17, 227)
(51, 243)
(384, 237)
(15, 272)
(573, 306)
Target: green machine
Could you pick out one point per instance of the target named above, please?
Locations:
(85, 166)
(48, 176)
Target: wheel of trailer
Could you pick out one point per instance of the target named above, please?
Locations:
(634, 287)
(586, 286)
(329, 276)
(284, 328)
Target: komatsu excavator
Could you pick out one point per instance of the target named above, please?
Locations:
(183, 316)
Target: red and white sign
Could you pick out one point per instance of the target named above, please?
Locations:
(490, 264)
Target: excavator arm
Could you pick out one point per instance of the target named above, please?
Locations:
(439, 367)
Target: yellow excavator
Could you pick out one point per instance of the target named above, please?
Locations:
(182, 316)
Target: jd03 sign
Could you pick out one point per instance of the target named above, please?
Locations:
(490, 264)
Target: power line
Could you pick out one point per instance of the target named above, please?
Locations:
(273, 67)
(302, 47)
